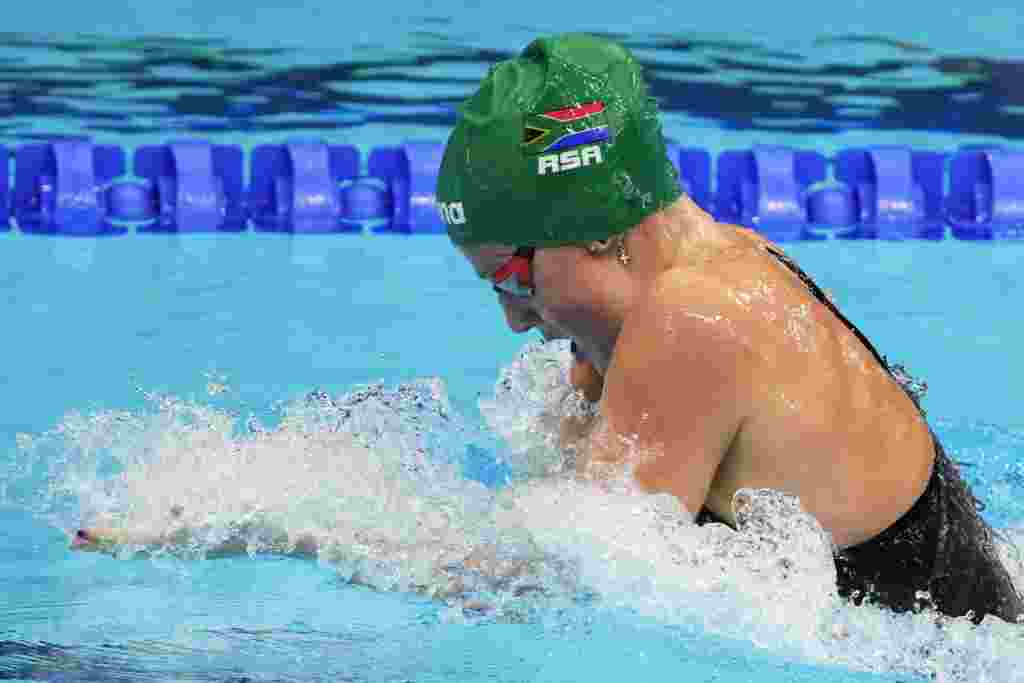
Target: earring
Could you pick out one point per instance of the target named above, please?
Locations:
(624, 258)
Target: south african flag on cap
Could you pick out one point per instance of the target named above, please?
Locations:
(561, 129)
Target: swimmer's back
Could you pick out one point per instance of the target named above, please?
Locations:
(829, 423)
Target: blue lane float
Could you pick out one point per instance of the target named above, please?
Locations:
(75, 187)
(766, 189)
(896, 192)
(409, 172)
(59, 187)
(191, 186)
(986, 197)
(296, 187)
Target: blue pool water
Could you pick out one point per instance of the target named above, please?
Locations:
(150, 371)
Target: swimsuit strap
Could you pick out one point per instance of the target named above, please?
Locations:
(823, 298)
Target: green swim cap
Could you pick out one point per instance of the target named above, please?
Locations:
(561, 145)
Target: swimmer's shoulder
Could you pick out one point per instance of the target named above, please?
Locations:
(691, 307)
(702, 285)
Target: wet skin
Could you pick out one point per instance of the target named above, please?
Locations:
(719, 370)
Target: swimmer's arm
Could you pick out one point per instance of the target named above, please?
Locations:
(452, 582)
(180, 539)
(676, 392)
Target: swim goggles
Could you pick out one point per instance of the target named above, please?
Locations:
(515, 277)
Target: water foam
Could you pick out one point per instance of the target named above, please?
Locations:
(375, 475)
(369, 472)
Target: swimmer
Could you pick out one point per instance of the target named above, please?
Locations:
(707, 349)
(710, 351)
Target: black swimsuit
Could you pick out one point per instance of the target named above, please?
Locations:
(941, 545)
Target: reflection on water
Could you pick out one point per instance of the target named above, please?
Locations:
(155, 84)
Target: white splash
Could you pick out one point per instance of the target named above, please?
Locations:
(375, 475)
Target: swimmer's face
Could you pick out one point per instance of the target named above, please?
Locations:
(522, 313)
(560, 306)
